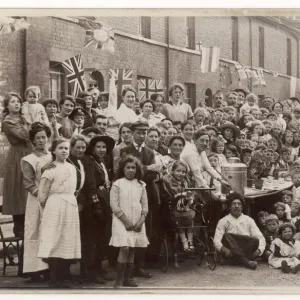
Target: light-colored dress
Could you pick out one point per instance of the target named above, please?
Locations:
(128, 197)
(60, 232)
(280, 252)
(32, 216)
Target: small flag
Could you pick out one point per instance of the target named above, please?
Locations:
(258, 78)
(74, 70)
(210, 59)
(293, 85)
(123, 78)
(149, 86)
(113, 97)
(8, 24)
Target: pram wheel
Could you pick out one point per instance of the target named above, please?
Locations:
(211, 254)
(164, 256)
(199, 250)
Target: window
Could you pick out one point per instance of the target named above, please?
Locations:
(146, 27)
(58, 85)
(190, 33)
(190, 94)
(261, 47)
(235, 38)
(289, 57)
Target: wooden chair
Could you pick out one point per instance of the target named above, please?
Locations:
(10, 242)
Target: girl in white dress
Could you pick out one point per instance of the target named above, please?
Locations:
(129, 204)
(60, 233)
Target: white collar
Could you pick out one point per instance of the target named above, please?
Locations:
(137, 147)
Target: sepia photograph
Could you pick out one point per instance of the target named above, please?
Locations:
(149, 150)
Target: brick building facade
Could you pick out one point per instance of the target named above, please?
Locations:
(158, 47)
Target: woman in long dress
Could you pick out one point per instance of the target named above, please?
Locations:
(31, 166)
(60, 232)
(16, 130)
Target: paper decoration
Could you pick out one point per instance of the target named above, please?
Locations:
(258, 77)
(210, 59)
(8, 24)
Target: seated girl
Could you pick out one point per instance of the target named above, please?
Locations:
(270, 233)
(173, 191)
(217, 147)
(231, 151)
(280, 212)
(285, 250)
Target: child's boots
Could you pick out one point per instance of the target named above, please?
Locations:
(128, 281)
(120, 275)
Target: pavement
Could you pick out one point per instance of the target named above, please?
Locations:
(187, 276)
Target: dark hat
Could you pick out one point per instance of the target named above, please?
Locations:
(235, 129)
(140, 124)
(88, 130)
(242, 91)
(50, 101)
(80, 101)
(110, 143)
(246, 150)
(78, 112)
(209, 127)
(83, 94)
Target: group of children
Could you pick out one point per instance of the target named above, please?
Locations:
(281, 229)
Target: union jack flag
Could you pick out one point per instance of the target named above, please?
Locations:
(123, 78)
(74, 70)
(149, 86)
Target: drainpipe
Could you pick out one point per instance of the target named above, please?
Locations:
(250, 49)
(24, 65)
(167, 57)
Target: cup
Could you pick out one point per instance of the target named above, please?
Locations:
(270, 178)
(280, 180)
(258, 184)
(250, 183)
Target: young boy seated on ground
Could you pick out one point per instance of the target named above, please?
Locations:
(270, 233)
(295, 209)
(285, 251)
(261, 220)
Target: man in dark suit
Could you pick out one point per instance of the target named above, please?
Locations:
(151, 169)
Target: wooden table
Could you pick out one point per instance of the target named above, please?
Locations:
(252, 195)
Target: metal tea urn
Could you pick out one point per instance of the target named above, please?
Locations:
(235, 173)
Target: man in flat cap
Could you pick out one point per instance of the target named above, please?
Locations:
(151, 169)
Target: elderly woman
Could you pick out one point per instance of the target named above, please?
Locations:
(176, 145)
(16, 129)
(148, 107)
(175, 109)
(200, 116)
(126, 113)
(99, 185)
(31, 166)
(125, 140)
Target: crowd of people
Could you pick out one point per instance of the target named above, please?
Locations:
(84, 183)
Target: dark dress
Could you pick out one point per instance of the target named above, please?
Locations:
(89, 120)
(14, 192)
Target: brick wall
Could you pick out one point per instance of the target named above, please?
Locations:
(54, 39)
(11, 62)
